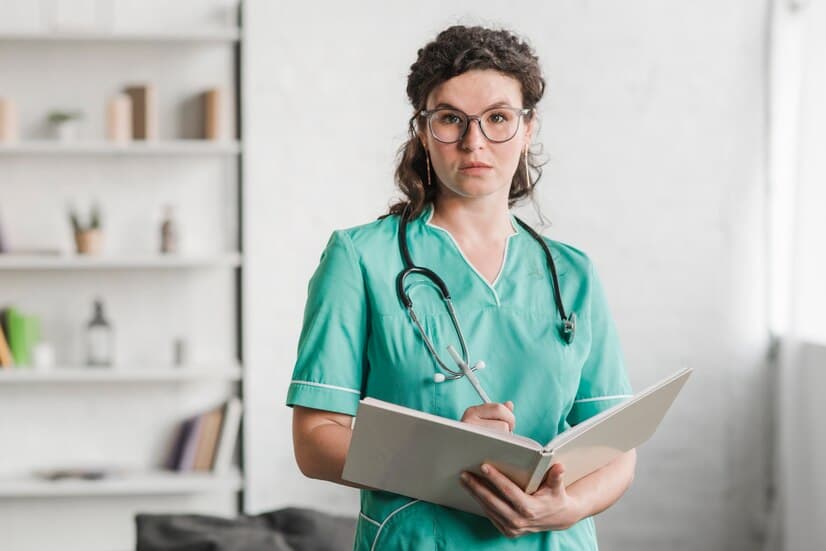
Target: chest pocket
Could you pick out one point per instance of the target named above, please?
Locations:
(402, 367)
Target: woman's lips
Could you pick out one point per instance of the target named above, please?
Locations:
(474, 168)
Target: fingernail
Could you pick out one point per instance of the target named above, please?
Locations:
(485, 469)
(464, 477)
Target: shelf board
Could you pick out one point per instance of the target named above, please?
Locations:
(103, 262)
(65, 374)
(182, 35)
(135, 483)
(132, 149)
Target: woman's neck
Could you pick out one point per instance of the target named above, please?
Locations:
(475, 220)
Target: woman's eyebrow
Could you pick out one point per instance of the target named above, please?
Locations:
(501, 103)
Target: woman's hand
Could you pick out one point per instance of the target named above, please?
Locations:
(494, 416)
(515, 513)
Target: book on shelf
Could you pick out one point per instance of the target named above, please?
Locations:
(21, 333)
(420, 455)
(144, 111)
(206, 442)
(6, 360)
(175, 451)
(228, 436)
(208, 439)
(183, 448)
(211, 108)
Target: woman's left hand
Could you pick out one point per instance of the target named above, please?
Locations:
(516, 513)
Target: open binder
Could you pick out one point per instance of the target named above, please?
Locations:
(420, 455)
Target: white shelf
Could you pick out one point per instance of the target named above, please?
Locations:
(195, 36)
(103, 262)
(136, 483)
(17, 375)
(132, 149)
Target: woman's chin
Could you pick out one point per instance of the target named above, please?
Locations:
(474, 190)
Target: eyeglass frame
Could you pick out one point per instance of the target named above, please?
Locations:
(521, 111)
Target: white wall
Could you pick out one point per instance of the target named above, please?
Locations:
(654, 123)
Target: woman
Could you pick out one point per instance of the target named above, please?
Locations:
(467, 161)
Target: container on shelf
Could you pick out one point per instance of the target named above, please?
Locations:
(8, 121)
(100, 339)
(89, 241)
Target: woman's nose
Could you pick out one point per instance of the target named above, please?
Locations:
(473, 138)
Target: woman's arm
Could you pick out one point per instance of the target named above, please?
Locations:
(321, 438)
(320, 441)
(602, 488)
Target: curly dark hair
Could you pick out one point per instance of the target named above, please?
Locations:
(457, 50)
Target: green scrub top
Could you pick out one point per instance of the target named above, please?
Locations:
(358, 340)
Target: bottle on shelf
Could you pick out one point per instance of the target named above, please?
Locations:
(100, 342)
(179, 352)
(169, 231)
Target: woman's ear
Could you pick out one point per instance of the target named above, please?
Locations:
(530, 129)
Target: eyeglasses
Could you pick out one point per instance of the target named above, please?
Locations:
(498, 124)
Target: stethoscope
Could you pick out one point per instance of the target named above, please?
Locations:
(567, 328)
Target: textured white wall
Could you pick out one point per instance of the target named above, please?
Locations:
(654, 124)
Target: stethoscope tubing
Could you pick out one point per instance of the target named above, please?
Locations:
(568, 321)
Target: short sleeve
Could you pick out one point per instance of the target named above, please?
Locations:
(603, 381)
(331, 349)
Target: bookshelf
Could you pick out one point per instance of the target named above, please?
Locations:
(125, 416)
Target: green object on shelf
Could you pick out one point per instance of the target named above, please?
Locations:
(24, 334)
(59, 117)
(17, 336)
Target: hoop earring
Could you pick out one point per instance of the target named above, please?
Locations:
(427, 158)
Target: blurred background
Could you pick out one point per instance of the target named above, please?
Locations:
(171, 171)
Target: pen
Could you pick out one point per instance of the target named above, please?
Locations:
(469, 373)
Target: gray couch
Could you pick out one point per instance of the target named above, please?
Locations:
(291, 529)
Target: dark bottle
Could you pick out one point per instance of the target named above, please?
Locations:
(100, 342)
(169, 231)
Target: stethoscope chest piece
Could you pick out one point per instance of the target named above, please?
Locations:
(568, 329)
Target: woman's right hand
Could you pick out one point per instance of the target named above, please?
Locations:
(494, 416)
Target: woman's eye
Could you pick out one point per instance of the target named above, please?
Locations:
(449, 118)
(498, 117)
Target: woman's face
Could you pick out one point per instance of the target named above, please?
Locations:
(474, 167)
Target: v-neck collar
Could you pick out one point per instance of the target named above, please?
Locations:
(428, 216)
